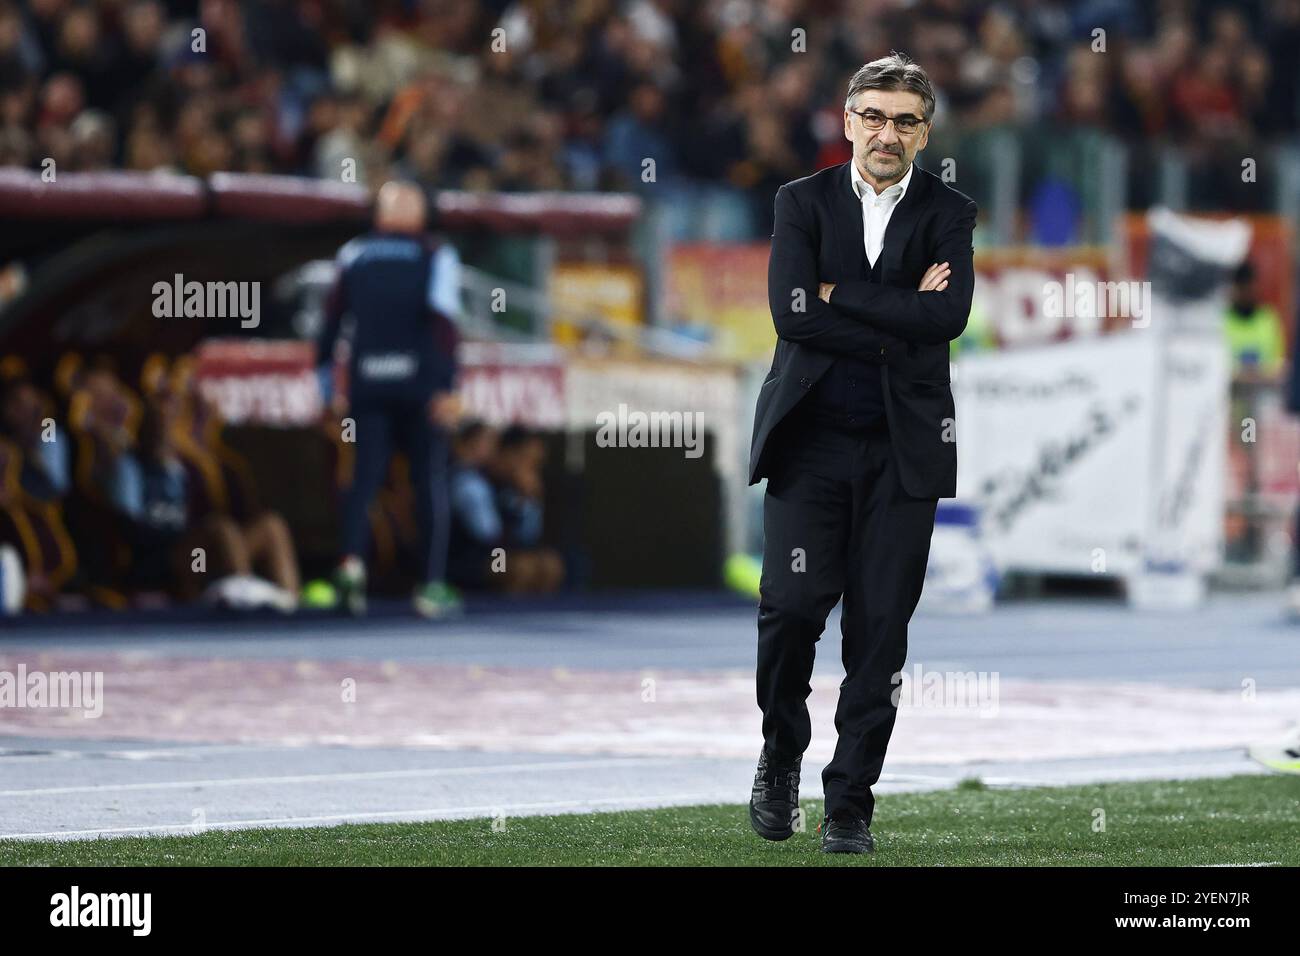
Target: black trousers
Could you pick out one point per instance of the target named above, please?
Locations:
(379, 429)
(837, 523)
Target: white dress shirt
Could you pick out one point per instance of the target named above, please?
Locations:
(876, 209)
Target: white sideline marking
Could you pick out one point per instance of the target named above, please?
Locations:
(10, 753)
(432, 814)
(347, 775)
(1209, 865)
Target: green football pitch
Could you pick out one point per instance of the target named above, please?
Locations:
(1234, 820)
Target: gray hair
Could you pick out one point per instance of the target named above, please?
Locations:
(896, 72)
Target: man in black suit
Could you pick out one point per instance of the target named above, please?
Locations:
(870, 278)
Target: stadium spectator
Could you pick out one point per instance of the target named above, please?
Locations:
(638, 134)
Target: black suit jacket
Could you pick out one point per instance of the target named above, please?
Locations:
(817, 232)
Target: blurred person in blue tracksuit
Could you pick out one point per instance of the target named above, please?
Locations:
(396, 302)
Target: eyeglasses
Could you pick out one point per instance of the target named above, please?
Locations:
(875, 120)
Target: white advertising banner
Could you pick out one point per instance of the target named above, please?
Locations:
(1186, 521)
(1066, 450)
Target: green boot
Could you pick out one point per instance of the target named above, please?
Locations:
(437, 599)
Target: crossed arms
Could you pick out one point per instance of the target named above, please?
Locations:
(860, 318)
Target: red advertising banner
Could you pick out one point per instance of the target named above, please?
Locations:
(502, 394)
(260, 382)
(273, 382)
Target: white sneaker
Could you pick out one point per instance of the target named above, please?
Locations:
(248, 592)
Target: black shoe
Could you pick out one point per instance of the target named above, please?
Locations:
(775, 798)
(846, 834)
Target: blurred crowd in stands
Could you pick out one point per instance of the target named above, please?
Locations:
(116, 496)
(539, 94)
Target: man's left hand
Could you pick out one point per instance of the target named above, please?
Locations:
(824, 292)
(445, 409)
